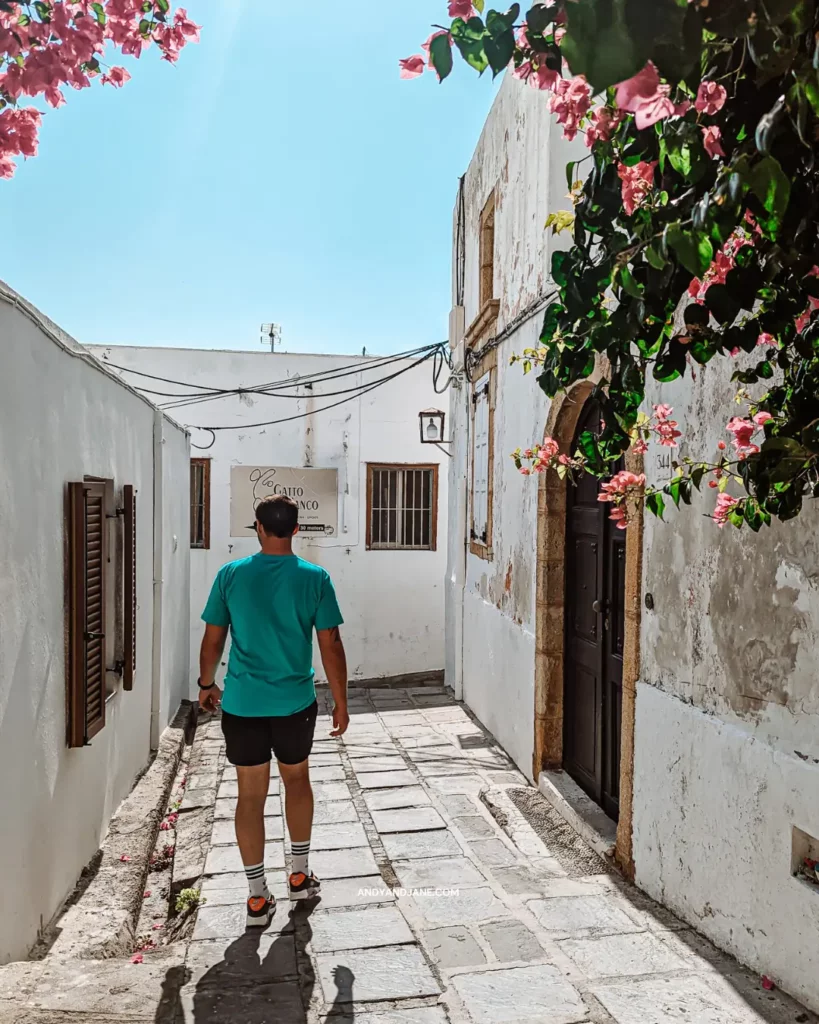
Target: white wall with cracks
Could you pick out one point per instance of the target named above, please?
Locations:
(727, 709)
(491, 603)
(392, 601)
(727, 732)
(62, 417)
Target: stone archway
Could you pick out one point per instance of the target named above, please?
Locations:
(561, 422)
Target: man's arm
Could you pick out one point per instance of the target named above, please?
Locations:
(210, 654)
(334, 661)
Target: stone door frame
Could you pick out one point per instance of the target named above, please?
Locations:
(561, 422)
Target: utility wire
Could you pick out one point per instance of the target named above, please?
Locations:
(299, 416)
(304, 382)
(202, 391)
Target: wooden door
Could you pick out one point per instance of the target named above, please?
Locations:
(593, 681)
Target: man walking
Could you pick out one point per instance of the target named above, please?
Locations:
(271, 602)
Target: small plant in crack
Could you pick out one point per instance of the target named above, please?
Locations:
(188, 900)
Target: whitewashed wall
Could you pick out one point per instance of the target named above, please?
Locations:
(392, 601)
(727, 728)
(491, 605)
(727, 731)
(62, 417)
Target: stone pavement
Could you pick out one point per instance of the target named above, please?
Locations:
(430, 912)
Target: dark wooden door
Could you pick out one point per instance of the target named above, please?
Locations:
(593, 682)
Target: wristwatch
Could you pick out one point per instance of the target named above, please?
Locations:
(201, 687)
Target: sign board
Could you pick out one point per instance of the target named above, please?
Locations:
(314, 490)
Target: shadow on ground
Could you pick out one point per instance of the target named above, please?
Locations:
(252, 984)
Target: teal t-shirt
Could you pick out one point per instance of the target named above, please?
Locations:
(272, 603)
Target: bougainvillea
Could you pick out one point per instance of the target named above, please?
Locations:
(45, 46)
(694, 230)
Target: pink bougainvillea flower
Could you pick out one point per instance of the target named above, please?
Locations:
(647, 98)
(665, 428)
(461, 9)
(571, 102)
(549, 449)
(116, 77)
(146, 894)
(137, 958)
(767, 984)
(124, 858)
(762, 418)
(525, 470)
(617, 491)
(639, 447)
(636, 90)
(766, 339)
(412, 67)
(721, 445)
(724, 506)
(604, 123)
(638, 181)
(743, 430)
(710, 99)
(711, 137)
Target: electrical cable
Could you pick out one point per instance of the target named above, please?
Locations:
(298, 416)
(302, 382)
(288, 382)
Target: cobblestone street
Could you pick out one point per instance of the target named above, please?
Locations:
(431, 912)
(440, 905)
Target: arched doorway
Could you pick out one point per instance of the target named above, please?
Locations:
(594, 636)
(550, 673)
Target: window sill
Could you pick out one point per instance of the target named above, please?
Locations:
(480, 550)
(487, 318)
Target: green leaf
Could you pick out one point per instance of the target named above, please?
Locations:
(499, 51)
(469, 37)
(43, 10)
(655, 503)
(165, 5)
(693, 248)
(673, 489)
(478, 5)
(670, 363)
(440, 55)
(628, 284)
(601, 48)
(769, 183)
(540, 17)
(654, 256)
(99, 10)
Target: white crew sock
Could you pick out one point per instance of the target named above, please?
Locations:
(301, 854)
(256, 880)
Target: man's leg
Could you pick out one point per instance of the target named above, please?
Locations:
(253, 786)
(292, 743)
(298, 807)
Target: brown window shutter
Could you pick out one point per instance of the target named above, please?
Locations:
(87, 567)
(129, 500)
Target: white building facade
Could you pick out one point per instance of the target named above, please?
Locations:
(93, 661)
(381, 494)
(706, 748)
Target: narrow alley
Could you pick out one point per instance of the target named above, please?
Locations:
(440, 904)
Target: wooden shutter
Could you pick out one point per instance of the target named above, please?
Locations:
(87, 571)
(129, 644)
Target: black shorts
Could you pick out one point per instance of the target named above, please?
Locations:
(250, 741)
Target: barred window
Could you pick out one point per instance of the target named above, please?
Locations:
(200, 503)
(402, 508)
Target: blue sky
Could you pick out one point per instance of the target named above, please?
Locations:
(280, 172)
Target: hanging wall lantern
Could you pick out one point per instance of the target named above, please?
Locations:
(432, 426)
